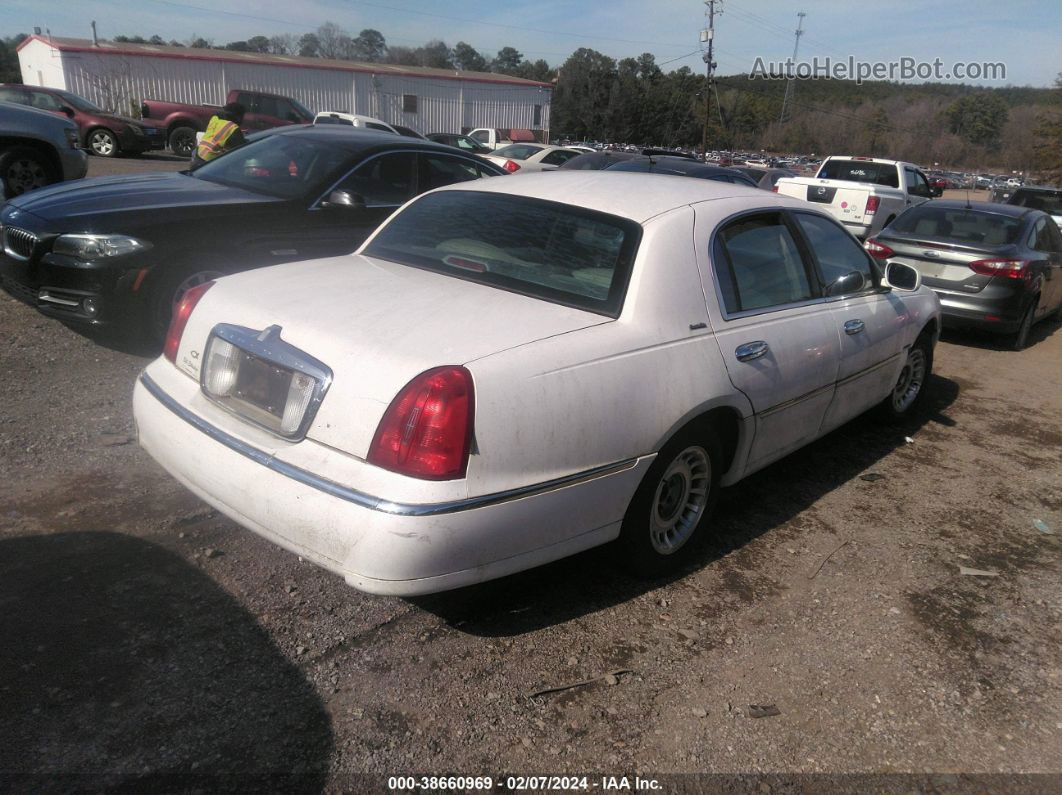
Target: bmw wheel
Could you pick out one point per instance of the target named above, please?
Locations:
(23, 169)
(167, 293)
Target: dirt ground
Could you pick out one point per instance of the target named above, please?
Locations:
(148, 642)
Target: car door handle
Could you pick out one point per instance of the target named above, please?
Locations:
(854, 326)
(751, 350)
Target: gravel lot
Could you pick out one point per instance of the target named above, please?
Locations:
(150, 643)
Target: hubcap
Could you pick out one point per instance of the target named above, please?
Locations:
(680, 500)
(910, 382)
(102, 144)
(26, 174)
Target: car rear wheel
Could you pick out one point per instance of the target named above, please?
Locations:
(665, 520)
(182, 141)
(103, 143)
(911, 386)
(23, 169)
(1021, 336)
(165, 295)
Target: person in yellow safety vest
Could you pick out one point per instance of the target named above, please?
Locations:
(222, 134)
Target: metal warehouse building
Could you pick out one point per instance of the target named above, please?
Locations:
(117, 76)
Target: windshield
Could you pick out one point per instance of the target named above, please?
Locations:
(285, 166)
(861, 171)
(518, 151)
(543, 249)
(301, 109)
(78, 103)
(964, 227)
(1050, 201)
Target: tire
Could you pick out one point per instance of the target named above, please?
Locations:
(182, 141)
(1021, 336)
(165, 294)
(103, 143)
(909, 392)
(24, 169)
(664, 523)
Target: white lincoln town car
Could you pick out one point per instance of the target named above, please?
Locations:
(510, 371)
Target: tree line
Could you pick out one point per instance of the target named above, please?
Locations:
(633, 100)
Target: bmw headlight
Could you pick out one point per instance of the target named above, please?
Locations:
(97, 246)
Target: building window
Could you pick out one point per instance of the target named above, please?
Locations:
(537, 121)
(409, 103)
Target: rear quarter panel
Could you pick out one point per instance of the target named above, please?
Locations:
(608, 393)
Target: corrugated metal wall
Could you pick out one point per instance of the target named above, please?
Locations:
(122, 81)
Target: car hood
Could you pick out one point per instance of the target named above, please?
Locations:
(376, 324)
(75, 200)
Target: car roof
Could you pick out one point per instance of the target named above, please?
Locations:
(1013, 210)
(358, 138)
(636, 196)
(685, 166)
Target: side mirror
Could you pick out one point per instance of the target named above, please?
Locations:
(68, 111)
(344, 199)
(292, 118)
(902, 277)
(936, 191)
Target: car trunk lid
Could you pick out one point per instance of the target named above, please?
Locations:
(944, 265)
(375, 324)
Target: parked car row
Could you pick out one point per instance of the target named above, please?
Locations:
(484, 370)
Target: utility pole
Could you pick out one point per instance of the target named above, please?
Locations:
(789, 84)
(708, 35)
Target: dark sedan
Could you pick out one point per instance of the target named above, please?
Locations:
(121, 250)
(765, 177)
(681, 167)
(101, 133)
(994, 266)
(460, 142)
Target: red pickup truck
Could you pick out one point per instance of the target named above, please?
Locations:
(182, 121)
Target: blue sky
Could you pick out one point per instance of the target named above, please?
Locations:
(1024, 34)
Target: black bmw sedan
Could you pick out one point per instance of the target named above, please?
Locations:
(120, 251)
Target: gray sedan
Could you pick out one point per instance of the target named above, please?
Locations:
(994, 266)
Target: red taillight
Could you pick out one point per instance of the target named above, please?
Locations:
(181, 313)
(878, 250)
(426, 432)
(872, 205)
(1011, 268)
(774, 189)
(511, 166)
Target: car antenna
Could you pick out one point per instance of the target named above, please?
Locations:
(967, 207)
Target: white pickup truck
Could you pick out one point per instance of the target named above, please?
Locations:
(496, 138)
(863, 193)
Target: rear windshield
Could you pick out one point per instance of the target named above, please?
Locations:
(556, 252)
(518, 151)
(961, 226)
(1048, 201)
(861, 171)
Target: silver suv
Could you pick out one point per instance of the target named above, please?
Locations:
(37, 148)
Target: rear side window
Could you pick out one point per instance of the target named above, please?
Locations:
(759, 265)
(439, 170)
(556, 252)
(861, 171)
(13, 95)
(518, 151)
(1048, 201)
(843, 264)
(959, 225)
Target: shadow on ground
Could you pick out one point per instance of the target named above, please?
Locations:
(975, 338)
(593, 581)
(125, 668)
